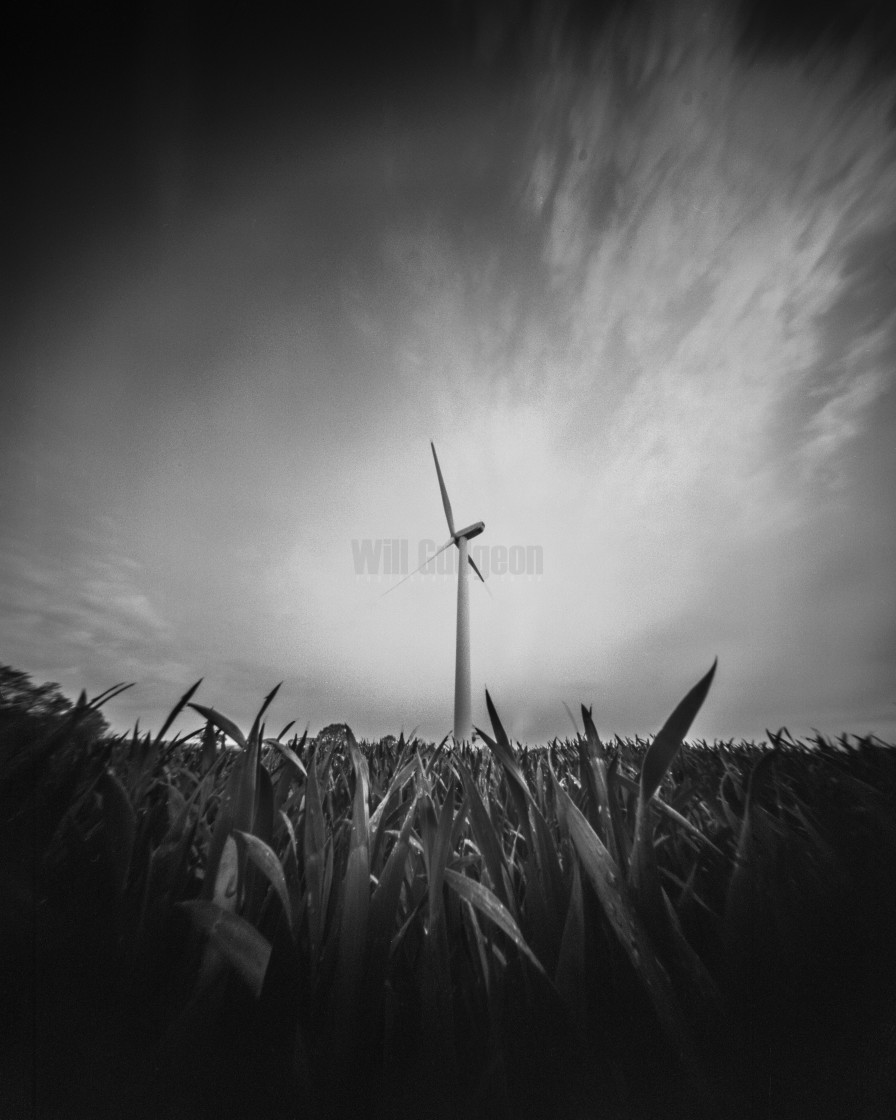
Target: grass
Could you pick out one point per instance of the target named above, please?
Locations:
(314, 928)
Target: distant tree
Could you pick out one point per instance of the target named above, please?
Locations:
(334, 732)
(38, 706)
(19, 694)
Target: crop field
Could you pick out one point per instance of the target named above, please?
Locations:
(232, 924)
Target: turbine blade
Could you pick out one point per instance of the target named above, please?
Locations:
(475, 569)
(428, 560)
(445, 501)
(572, 718)
(478, 573)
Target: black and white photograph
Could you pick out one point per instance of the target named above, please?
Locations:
(447, 551)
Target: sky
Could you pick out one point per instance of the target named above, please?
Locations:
(632, 268)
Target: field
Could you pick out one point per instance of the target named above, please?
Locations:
(232, 925)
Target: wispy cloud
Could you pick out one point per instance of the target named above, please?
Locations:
(688, 368)
(82, 614)
(640, 293)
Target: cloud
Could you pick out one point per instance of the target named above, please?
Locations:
(81, 612)
(639, 292)
(688, 370)
(700, 219)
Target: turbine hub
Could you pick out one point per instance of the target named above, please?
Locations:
(470, 531)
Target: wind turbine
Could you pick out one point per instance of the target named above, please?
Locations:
(463, 726)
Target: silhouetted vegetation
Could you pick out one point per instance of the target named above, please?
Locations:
(323, 928)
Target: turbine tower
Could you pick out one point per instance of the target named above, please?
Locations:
(463, 725)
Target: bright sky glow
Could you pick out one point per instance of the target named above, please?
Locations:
(640, 292)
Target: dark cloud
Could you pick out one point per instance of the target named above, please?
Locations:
(782, 30)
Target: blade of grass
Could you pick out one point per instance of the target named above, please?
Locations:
(487, 841)
(175, 712)
(569, 976)
(666, 745)
(356, 889)
(743, 883)
(488, 904)
(313, 851)
(643, 876)
(292, 759)
(209, 746)
(386, 897)
(103, 697)
(238, 941)
(593, 761)
(632, 936)
(516, 783)
(386, 806)
(438, 857)
(223, 827)
(226, 880)
(255, 733)
(265, 859)
(120, 822)
(222, 723)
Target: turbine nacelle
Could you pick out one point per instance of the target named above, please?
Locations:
(470, 532)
